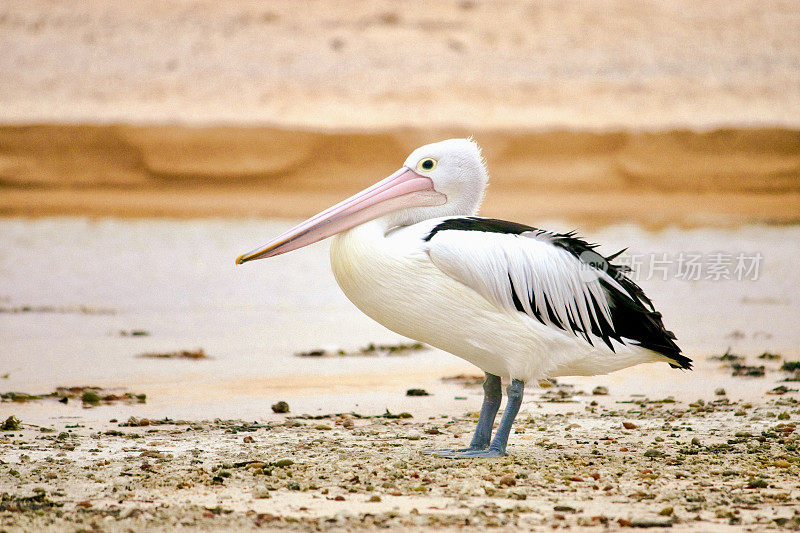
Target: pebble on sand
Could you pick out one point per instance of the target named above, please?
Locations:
(280, 407)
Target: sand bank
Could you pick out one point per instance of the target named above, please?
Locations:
(655, 178)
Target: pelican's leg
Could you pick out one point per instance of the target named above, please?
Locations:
(498, 446)
(492, 396)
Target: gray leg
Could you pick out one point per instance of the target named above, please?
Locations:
(498, 446)
(492, 396)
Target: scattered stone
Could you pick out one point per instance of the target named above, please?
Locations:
(90, 397)
(468, 380)
(564, 509)
(757, 483)
(651, 522)
(790, 366)
(727, 357)
(23, 504)
(136, 422)
(11, 423)
(80, 309)
(600, 391)
(417, 392)
(393, 348)
(387, 414)
(280, 407)
(320, 352)
(720, 392)
(507, 481)
(747, 371)
(676, 482)
(183, 354)
(371, 349)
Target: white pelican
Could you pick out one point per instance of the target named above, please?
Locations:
(516, 301)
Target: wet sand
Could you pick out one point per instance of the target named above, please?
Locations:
(214, 455)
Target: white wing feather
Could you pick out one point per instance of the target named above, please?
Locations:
(549, 282)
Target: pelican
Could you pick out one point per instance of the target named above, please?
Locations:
(518, 302)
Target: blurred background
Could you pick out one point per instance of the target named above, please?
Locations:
(145, 144)
(661, 113)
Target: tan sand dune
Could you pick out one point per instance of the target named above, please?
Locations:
(718, 177)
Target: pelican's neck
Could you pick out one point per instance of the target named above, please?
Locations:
(364, 235)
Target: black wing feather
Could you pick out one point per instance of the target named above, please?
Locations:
(633, 316)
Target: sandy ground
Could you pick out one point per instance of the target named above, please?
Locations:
(578, 461)
(601, 65)
(662, 448)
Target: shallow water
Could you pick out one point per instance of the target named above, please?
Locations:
(177, 280)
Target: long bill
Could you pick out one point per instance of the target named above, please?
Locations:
(403, 189)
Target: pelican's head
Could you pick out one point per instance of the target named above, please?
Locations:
(440, 179)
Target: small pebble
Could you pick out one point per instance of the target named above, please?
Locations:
(280, 407)
(507, 481)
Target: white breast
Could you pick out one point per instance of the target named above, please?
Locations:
(392, 280)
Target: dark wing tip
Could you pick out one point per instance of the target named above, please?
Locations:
(633, 314)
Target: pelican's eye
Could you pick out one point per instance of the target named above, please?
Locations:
(427, 164)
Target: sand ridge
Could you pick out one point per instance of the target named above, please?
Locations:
(726, 176)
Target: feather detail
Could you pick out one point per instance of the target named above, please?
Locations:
(556, 278)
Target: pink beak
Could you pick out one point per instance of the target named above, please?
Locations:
(403, 189)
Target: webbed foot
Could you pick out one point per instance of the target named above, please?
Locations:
(488, 453)
(445, 452)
